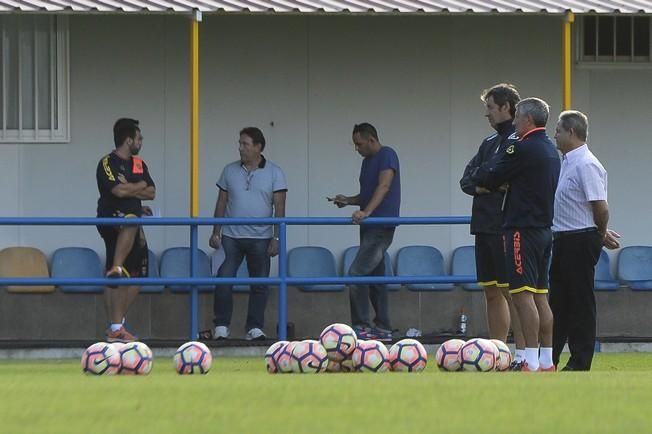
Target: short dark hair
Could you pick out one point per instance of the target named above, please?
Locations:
(365, 129)
(576, 121)
(255, 134)
(502, 94)
(124, 128)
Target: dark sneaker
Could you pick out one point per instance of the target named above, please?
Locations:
(362, 332)
(116, 273)
(516, 366)
(380, 334)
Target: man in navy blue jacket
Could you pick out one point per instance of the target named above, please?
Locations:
(531, 168)
(487, 216)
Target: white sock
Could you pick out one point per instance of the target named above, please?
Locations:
(532, 358)
(123, 320)
(545, 357)
(115, 327)
(520, 355)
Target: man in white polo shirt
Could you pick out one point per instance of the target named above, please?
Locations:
(249, 187)
(579, 232)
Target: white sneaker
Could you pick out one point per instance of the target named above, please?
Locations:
(413, 333)
(221, 332)
(255, 334)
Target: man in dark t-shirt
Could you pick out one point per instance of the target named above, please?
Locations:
(380, 196)
(123, 181)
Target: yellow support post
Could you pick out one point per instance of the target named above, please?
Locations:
(194, 114)
(566, 61)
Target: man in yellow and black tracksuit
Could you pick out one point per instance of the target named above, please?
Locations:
(531, 168)
(487, 217)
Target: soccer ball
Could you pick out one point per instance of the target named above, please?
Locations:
(193, 358)
(478, 355)
(271, 356)
(100, 358)
(370, 356)
(339, 340)
(333, 366)
(345, 365)
(408, 355)
(308, 356)
(504, 360)
(447, 355)
(284, 358)
(136, 358)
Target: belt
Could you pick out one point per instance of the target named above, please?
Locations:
(561, 234)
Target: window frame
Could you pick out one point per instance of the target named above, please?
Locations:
(59, 37)
(614, 61)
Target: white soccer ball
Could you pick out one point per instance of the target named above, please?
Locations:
(504, 359)
(101, 358)
(309, 356)
(193, 358)
(339, 340)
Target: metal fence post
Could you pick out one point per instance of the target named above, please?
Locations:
(283, 287)
(194, 291)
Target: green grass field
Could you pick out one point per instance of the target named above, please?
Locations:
(238, 396)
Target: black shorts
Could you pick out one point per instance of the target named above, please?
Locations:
(137, 261)
(490, 260)
(528, 259)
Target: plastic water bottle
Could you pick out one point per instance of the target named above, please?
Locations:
(463, 320)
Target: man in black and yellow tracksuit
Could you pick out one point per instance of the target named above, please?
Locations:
(531, 169)
(486, 218)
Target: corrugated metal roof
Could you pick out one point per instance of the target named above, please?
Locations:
(331, 6)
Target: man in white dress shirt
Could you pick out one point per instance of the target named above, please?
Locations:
(579, 232)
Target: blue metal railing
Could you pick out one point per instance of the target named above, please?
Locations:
(282, 280)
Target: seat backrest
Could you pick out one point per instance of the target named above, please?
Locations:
(152, 269)
(311, 261)
(24, 262)
(349, 256)
(419, 261)
(463, 262)
(175, 262)
(603, 268)
(635, 263)
(77, 262)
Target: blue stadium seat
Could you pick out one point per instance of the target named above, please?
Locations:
(312, 261)
(153, 272)
(604, 281)
(175, 262)
(422, 261)
(77, 262)
(349, 256)
(635, 267)
(464, 265)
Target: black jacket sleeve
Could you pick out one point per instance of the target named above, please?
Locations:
(497, 172)
(466, 183)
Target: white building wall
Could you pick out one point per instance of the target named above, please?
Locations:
(305, 82)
